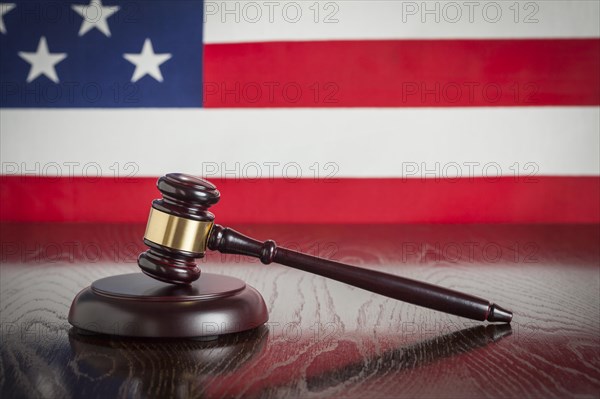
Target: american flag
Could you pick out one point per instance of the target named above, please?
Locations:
(348, 111)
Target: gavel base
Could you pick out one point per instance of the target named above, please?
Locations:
(135, 305)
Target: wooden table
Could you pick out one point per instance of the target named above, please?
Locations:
(323, 339)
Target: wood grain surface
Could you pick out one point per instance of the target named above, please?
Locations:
(324, 338)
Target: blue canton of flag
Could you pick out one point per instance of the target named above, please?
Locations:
(101, 53)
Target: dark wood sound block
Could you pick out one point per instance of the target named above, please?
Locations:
(135, 305)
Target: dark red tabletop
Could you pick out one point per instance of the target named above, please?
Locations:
(323, 338)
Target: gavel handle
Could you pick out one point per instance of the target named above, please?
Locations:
(229, 241)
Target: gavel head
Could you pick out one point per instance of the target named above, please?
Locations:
(178, 228)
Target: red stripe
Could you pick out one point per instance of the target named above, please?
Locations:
(545, 200)
(403, 73)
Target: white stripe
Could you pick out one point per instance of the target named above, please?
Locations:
(259, 21)
(356, 142)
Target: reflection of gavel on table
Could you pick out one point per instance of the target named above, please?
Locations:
(179, 230)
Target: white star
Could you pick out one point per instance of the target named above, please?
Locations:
(42, 61)
(147, 62)
(94, 16)
(4, 8)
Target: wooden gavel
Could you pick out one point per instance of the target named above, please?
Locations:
(180, 229)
